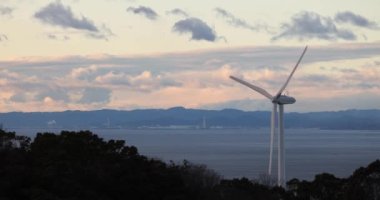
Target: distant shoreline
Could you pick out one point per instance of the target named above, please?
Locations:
(182, 118)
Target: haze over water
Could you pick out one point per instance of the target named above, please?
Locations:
(245, 152)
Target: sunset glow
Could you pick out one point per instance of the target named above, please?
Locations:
(128, 54)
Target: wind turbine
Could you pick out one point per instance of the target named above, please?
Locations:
(277, 100)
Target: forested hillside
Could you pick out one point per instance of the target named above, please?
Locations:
(80, 165)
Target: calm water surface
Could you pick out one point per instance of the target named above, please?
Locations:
(245, 152)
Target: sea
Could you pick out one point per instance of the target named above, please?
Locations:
(236, 153)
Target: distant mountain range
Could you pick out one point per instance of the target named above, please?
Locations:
(180, 117)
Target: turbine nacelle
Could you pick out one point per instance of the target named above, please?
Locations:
(283, 99)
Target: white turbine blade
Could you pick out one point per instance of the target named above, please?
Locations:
(253, 87)
(291, 74)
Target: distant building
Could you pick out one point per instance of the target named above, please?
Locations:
(204, 124)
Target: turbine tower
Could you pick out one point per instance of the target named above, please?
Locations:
(277, 100)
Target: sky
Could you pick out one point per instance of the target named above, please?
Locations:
(58, 55)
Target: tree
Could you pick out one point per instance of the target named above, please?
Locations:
(364, 183)
(80, 165)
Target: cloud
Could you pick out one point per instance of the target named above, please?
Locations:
(190, 79)
(54, 93)
(18, 97)
(241, 104)
(254, 57)
(310, 25)
(57, 14)
(140, 81)
(113, 78)
(198, 29)
(146, 81)
(355, 101)
(316, 78)
(84, 73)
(177, 12)
(3, 37)
(145, 11)
(143, 82)
(345, 70)
(105, 33)
(237, 22)
(355, 19)
(30, 88)
(57, 37)
(95, 95)
(6, 10)
(51, 92)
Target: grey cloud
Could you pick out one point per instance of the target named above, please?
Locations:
(143, 82)
(32, 88)
(272, 67)
(178, 12)
(58, 15)
(3, 37)
(241, 58)
(346, 79)
(104, 34)
(241, 104)
(16, 85)
(40, 88)
(237, 22)
(359, 85)
(198, 29)
(113, 78)
(315, 78)
(345, 70)
(145, 11)
(310, 25)
(349, 70)
(357, 101)
(367, 85)
(19, 98)
(96, 95)
(52, 36)
(6, 10)
(355, 19)
(98, 36)
(57, 37)
(57, 94)
(88, 73)
(170, 82)
(152, 83)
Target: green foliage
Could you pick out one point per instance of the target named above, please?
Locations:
(80, 165)
(325, 186)
(11, 141)
(363, 184)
